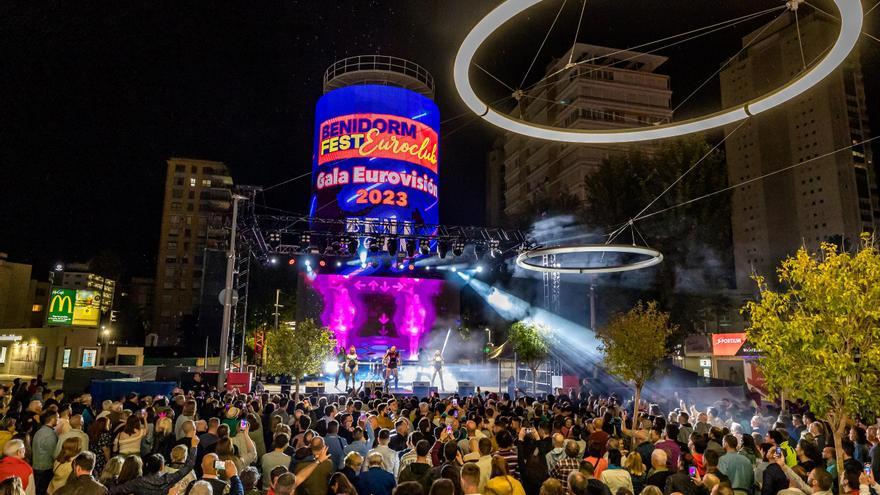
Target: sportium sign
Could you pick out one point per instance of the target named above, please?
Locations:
(732, 344)
(68, 307)
(61, 307)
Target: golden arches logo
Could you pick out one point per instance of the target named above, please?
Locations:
(61, 301)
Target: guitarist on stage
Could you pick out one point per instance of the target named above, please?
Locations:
(391, 361)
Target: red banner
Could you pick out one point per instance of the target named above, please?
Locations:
(372, 135)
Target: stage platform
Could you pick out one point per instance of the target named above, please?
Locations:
(479, 375)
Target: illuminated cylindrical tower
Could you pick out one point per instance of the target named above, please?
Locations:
(376, 139)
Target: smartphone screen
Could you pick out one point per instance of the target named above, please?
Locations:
(868, 468)
(244, 424)
(219, 465)
(692, 471)
(449, 429)
(454, 402)
(778, 452)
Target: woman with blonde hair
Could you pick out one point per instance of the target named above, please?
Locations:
(500, 482)
(111, 471)
(63, 463)
(163, 436)
(637, 471)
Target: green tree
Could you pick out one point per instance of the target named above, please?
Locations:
(819, 336)
(695, 239)
(634, 344)
(531, 343)
(298, 350)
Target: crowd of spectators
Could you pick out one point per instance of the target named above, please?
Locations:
(200, 441)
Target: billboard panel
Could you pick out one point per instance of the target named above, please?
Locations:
(732, 344)
(87, 308)
(376, 155)
(61, 307)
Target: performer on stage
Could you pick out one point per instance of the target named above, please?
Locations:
(340, 365)
(391, 360)
(351, 366)
(438, 369)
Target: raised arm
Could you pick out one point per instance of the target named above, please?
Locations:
(307, 471)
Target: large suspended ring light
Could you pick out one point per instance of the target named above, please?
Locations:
(850, 29)
(654, 257)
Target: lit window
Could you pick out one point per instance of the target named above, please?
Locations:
(36, 308)
(206, 182)
(192, 182)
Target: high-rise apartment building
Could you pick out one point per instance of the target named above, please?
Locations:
(195, 217)
(828, 198)
(15, 298)
(609, 89)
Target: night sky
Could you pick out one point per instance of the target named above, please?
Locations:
(95, 96)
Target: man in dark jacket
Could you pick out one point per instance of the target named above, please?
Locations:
(154, 481)
(84, 483)
(421, 469)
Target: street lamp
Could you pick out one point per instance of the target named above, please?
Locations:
(105, 332)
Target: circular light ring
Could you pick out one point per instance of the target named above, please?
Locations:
(655, 257)
(850, 28)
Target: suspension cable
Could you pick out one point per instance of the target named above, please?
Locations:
(540, 48)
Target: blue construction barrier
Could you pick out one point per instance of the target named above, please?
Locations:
(115, 389)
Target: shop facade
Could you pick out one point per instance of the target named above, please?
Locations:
(47, 351)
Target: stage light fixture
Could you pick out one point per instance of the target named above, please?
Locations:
(494, 248)
(410, 247)
(273, 260)
(391, 245)
(457, 248)
(479, 250)
(291, 261)
(424, 247)
(454, 269)
(372, 244)
(412, 267)
(442, 248)
(338, 264)
(322, 263)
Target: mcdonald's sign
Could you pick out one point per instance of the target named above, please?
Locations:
(61, 307)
